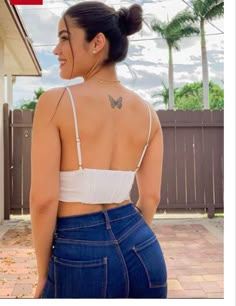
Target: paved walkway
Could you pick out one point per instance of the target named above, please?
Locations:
(193, 249)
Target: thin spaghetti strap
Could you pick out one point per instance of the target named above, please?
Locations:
(150, 122)
(149, 133)
(76, 129)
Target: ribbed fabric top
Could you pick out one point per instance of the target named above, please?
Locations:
(97, 186)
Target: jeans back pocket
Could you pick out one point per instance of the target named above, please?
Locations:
(80, 279)
(150, 255)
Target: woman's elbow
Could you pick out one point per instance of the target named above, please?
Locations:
(39, 203)
(151, 199)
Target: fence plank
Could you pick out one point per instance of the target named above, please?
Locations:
(26, 157)
(16, 200)
(180, 155)
(208, 164)
(189, 160)
(217, 142)
(11, 160)
(168, 188)
(198, 161)
(6, 145)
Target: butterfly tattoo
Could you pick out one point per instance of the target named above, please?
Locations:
(115, 103)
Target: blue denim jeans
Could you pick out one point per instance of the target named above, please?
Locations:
(107, 254)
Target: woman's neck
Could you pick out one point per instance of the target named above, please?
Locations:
(106, 74)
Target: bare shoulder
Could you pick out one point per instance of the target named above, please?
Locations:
(52, 93)
(156, 125)
(47, 103)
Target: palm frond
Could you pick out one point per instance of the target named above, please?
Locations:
(198, 8)
(189, 31)
(158, 27)
(176, 46)
(165, 86)
(146, 23)
(180, 19)
(209, 4)
(181, 25)
(216, 12)
(184, 31)
(203, 7)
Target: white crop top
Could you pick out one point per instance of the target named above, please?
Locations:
(97, 186)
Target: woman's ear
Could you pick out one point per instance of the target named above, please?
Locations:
(99, 42)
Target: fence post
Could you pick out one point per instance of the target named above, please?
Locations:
(6, 142)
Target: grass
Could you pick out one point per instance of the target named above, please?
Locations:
(219, 214)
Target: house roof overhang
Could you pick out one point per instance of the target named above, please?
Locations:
(19, 56)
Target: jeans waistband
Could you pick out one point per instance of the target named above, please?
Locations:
(92, 219)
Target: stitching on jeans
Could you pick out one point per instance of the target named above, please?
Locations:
(122, 260)
(55, 278)
(67, 240)
(106, 277)
(146, 243)
(78, 265)
(159, 286)
(123, 217)
(95, 224)
(78, 227)
(147, 273)
(130, 231)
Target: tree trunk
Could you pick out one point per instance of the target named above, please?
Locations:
(205, 79)
(171, 79)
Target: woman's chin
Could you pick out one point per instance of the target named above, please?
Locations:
(65, 76)
(68, 77)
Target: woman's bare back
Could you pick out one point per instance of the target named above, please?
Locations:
(113, 127)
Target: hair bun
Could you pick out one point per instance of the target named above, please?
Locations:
(130, 19)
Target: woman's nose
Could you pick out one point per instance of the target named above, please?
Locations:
(56, 50)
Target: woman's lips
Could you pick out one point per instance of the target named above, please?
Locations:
(62, 62)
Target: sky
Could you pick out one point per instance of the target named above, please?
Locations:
(147, 57)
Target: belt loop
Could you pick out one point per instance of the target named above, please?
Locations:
(108, 225)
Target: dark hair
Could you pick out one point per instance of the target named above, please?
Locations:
(95, 17)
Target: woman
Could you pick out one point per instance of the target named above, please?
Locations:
(90, 240)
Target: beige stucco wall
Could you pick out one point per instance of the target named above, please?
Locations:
(9, 91)
(1, 130)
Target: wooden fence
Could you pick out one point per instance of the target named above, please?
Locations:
(193, 164)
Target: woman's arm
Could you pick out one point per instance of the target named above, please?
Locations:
(150, 173)
(43, 219)
(44, 190)
(43, 223)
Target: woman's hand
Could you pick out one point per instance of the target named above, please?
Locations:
(39, 288)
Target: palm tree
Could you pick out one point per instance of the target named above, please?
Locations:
(206, 10)
(38, 93)
(172, 31)
(164, 94)
(31, 104)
